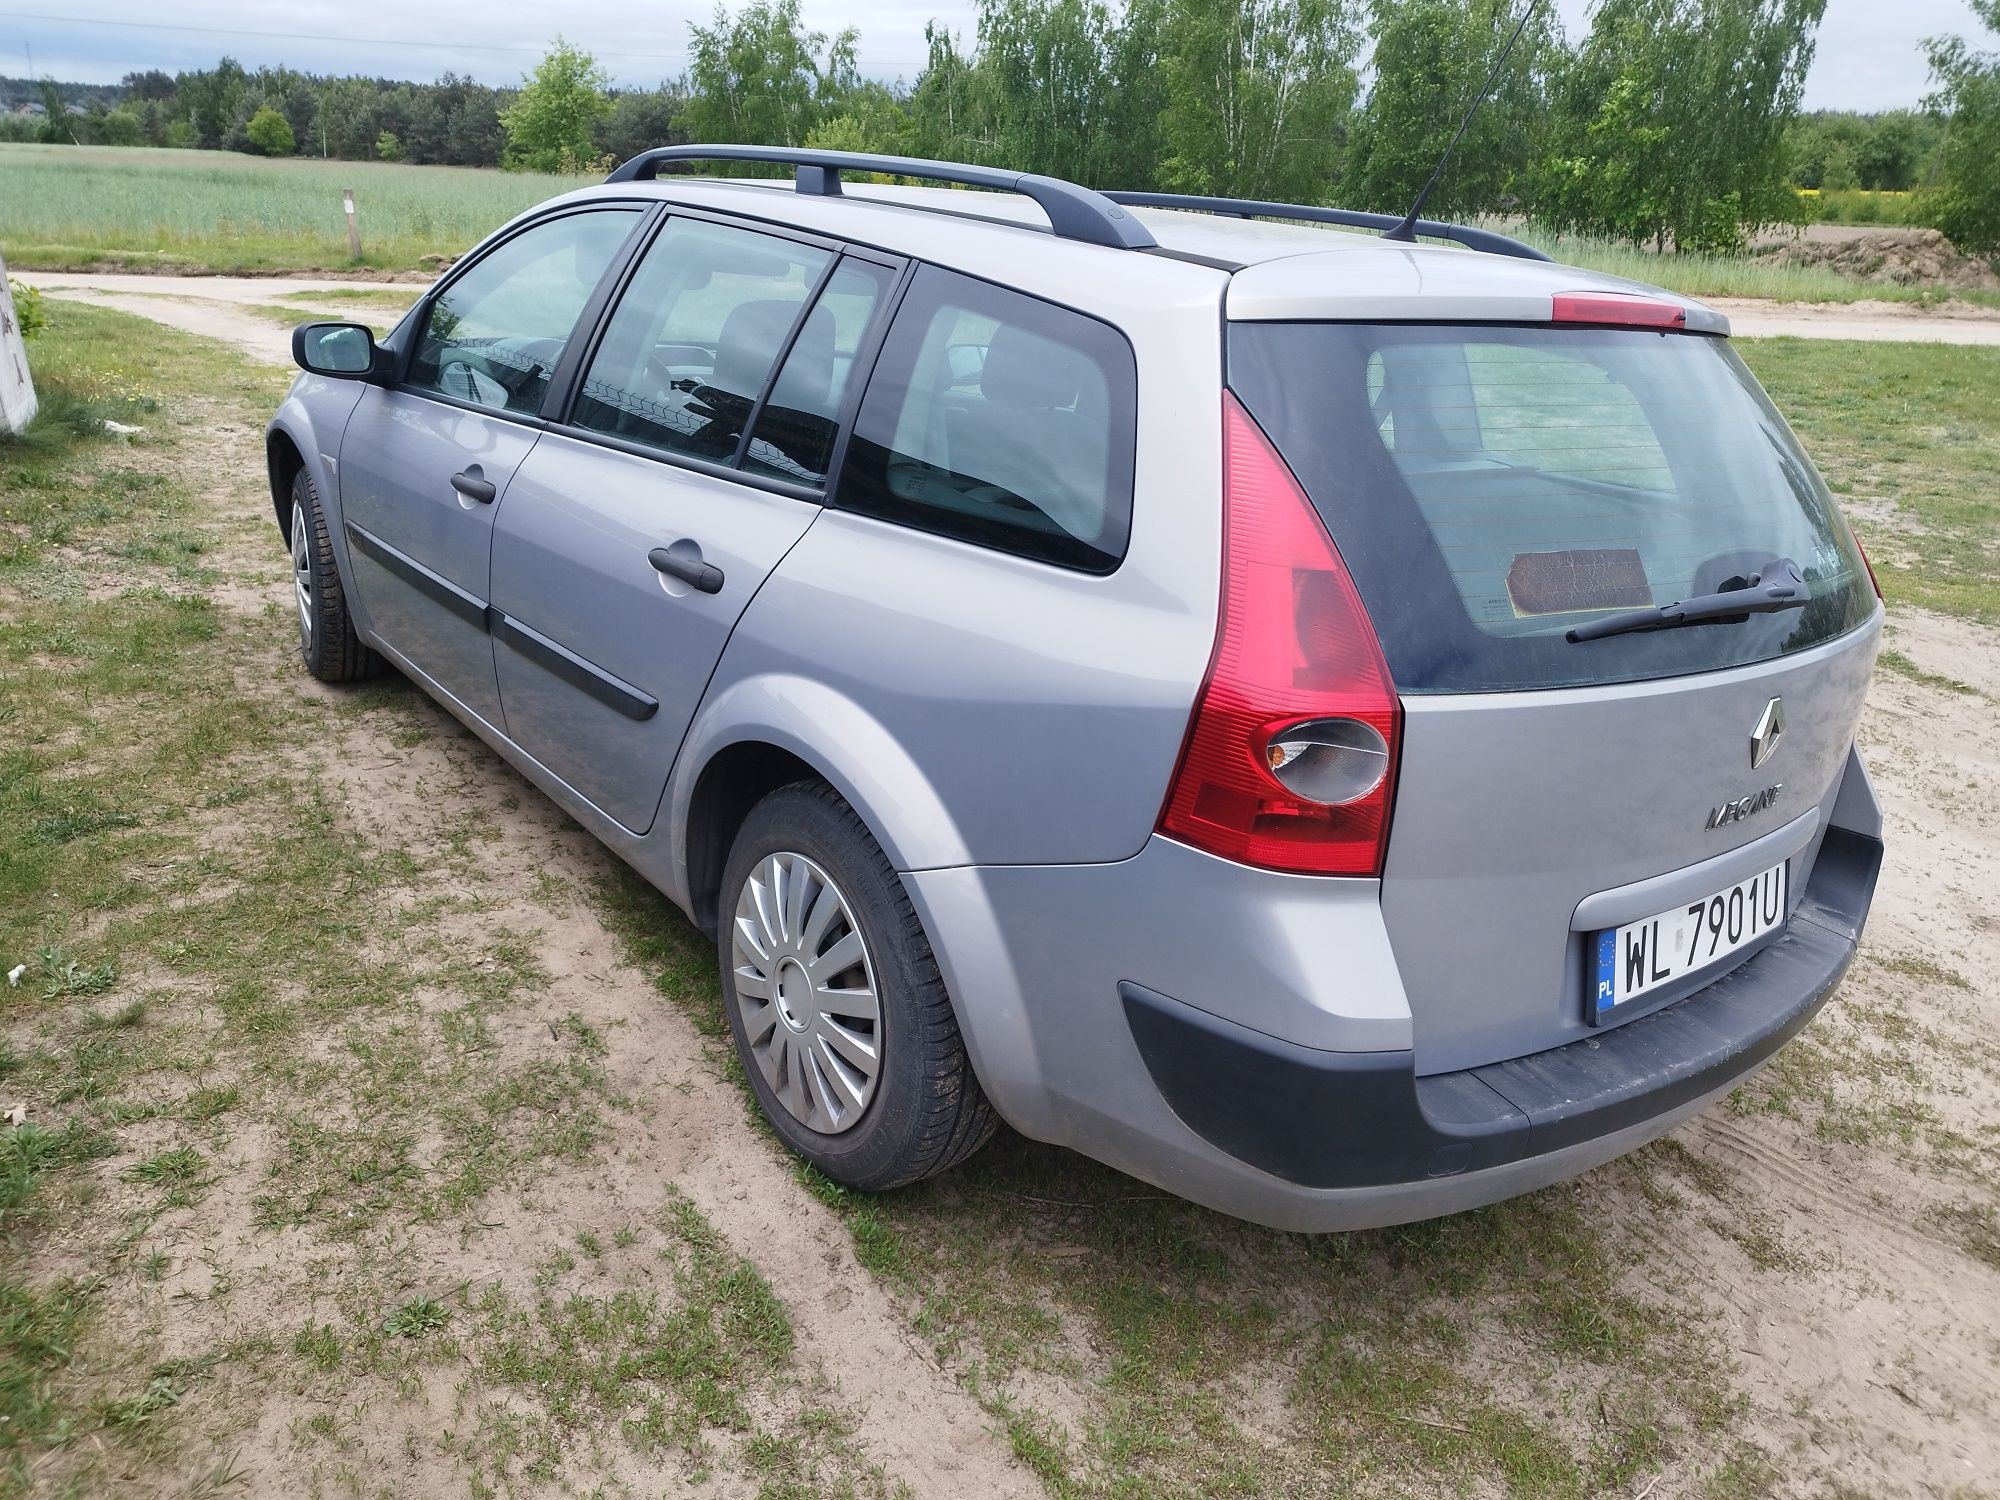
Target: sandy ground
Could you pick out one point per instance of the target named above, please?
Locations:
(214, 307)
(1868, 1352)
(1963, 323)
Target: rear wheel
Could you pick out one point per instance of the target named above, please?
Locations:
(834, 998)
(329, 644)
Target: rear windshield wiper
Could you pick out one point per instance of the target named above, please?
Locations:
(1781, 586)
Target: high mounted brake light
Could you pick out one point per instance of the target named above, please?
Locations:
(1290, 760)
(1610, 310)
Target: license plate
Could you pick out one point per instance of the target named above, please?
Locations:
(1635, 960)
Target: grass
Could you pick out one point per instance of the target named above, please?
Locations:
(1908, 436)
(379, 319)
(108, 207)
(1892, 660)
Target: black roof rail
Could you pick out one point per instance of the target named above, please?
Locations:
(1251, 208)
(1075, 213)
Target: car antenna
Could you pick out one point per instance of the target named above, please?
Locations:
(1407, 230)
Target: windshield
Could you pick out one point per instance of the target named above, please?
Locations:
(1491, 487)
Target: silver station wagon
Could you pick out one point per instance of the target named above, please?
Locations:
(1340, 728)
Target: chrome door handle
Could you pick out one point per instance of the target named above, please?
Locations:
(473, 487)
(683, 560)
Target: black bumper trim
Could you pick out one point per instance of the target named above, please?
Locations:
(1365, 1119)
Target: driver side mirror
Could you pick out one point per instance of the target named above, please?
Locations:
(344, 351)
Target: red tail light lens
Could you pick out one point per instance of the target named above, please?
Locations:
(1294, 657)
(1868, 563)
(1610, 310)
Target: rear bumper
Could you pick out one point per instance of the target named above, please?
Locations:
(1303, 1109)
(1366, 1120)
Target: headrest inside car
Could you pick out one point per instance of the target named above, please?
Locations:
(1031, 373)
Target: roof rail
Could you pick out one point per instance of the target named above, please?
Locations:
(1075, 213)
(1251, 208)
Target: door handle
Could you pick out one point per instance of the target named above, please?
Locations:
(469, 484)
(683, 560)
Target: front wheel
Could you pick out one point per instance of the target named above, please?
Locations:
(329, 644)
(835, 1002)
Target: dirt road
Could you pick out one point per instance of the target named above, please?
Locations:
(218, 307)
(1875, 322)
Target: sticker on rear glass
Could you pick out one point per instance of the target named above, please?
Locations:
(1557, 583)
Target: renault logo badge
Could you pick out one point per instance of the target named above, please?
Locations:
(1770, 729)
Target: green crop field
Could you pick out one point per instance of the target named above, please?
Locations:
(69, 208)
(109, 207)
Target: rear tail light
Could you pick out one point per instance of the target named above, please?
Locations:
(1873, 582)
(1290, 761)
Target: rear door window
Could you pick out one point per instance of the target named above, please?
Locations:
(1492, 487)
(999, 419)
(695, 336)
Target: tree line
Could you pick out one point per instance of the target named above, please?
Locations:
(1669, 122)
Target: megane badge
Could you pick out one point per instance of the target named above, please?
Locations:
(1770, 729)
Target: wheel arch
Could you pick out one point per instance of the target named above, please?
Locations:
(282, 461)
(766, 732)
(735, 779)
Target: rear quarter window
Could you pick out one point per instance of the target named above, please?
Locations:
(1492, 486)
(998, 419)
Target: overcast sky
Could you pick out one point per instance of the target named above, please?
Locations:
(1868, 55)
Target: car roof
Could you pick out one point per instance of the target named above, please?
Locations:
(1277, 271)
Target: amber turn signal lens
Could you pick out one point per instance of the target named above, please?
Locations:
(1329, 761)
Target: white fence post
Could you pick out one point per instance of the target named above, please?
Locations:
(17, 391)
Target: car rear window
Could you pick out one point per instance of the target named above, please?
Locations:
(1490, 487)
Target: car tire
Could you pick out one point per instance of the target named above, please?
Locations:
(923, 1110)
(330, 646)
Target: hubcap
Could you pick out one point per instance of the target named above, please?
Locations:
(302, 575)
(806, 991)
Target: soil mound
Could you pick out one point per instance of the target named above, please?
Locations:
(1907, 257)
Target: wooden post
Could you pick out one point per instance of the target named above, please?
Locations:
(353, 231)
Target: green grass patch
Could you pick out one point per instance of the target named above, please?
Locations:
(1908, 435)
(1976, 1228)
(379, 319)
(399, 296)
(666, 1367)
(1892, 660)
